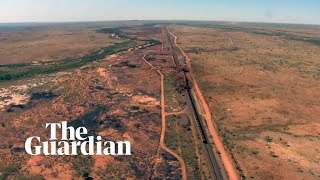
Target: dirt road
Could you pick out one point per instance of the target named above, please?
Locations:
(226, 160)
(163, 125)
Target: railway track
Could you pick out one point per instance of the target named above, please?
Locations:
(214, 167)
(211, 157)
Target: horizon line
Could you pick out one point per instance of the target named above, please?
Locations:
(92, 21)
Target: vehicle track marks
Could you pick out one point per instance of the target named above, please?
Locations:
(226, 160)
(163, 125)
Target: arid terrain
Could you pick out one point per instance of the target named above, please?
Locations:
(263, 88)
(47, 44)
(119, 97)
(196, 100)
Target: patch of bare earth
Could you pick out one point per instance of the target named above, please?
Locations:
(263, 92)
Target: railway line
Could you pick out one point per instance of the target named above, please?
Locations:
(214, 167)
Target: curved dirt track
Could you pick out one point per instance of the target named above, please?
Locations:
(163, 126)
(226, 160)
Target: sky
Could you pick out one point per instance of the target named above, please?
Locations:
(281, 11)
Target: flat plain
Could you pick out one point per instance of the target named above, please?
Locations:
(263, 88)
(131, 81)
(49, 42)
(112, 91)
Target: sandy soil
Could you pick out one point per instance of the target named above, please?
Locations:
(163, 126)
(263, 92)
(43, 44)
(226, 160)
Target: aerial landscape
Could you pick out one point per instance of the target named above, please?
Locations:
(196, 99)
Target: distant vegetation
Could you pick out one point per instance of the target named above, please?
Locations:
(116, 31)
(289, 36)
(17, 71)
(259, 29)
(121, 34)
